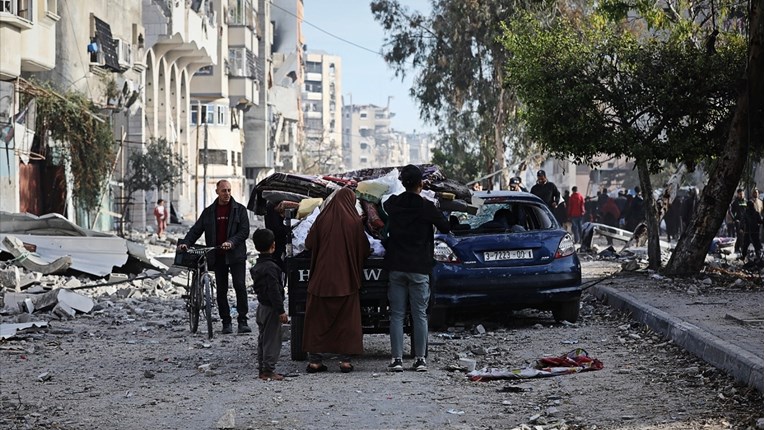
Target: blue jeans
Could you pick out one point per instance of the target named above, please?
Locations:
(416, 288)
(576, 226)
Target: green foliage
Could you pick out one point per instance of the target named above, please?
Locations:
(595, 89)
(460, 60)
(91, 150)
(158, 168)
(457, 156)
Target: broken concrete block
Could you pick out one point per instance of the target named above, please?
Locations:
(13, 301)
(227, 421)
(64, 311)
(29, 279)
(118, 277)
(50, 299)
(10, 278)
(72, 283)
(31, 261)
(28, 305)
(76, 301)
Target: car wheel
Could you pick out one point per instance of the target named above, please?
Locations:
(567, 311)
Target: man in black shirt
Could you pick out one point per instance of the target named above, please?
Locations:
(546, 190)
(409, 261)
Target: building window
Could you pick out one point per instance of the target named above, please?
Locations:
(208, 113)
(362, 114)
(241, 63)
(364, 146)
(214, 156)
(363, 160)
(312, 67)
(239, 159)
(21, 8)
(236, 10)
(204, 71)
(221, 115)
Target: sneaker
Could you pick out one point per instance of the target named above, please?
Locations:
(244, 328)
(227, 329)
(266, 376)
(396, 365)
(420, 365)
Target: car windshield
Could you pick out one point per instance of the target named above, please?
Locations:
(516, 216)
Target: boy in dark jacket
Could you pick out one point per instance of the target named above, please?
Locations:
(270, 315)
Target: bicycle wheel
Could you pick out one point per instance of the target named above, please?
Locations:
(208, 304)
(194, 302)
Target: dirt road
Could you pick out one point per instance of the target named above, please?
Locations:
(132, 364)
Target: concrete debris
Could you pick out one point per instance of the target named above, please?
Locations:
(39, 302)
(33, 262)
(630, 266)
(10, 278)
(10, 330)
(54, 237)
(45, 376)
(227, 421)
(64, 311)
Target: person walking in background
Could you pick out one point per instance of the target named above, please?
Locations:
(520, 183)
(752, 224)
(635, 213)
(546, 190)
(226, 225)
(576, 213)
(758, 207)
(338, 246)
(515, 184)
(270, 314)
(689, 207)
(160, 213)
(737, 210)
(409, 261)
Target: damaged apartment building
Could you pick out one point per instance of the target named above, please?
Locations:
(219, 81)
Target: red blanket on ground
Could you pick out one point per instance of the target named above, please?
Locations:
(573, 362)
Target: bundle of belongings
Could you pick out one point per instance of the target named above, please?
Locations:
(300, 198)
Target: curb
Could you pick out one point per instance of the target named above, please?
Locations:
(744, 366)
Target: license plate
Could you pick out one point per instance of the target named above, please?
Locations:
(516, 254)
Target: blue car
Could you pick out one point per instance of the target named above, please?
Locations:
(511, 254)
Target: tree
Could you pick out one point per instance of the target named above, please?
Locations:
(690, 252)
(461, 63)
(318, 153)
(158, 168)
(89, 145)
(591, 87)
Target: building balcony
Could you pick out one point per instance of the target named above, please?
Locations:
(178, 32)
(28, 38)
(311, 96)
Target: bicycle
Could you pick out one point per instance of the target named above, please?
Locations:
(199, 287)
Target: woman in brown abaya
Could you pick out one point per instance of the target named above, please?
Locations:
(338, 248)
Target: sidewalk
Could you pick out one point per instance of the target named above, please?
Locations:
(721, 324)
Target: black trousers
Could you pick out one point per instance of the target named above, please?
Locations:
(222, 271)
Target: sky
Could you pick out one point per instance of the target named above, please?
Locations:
(367, 79)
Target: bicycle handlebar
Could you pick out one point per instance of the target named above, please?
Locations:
(200, 251)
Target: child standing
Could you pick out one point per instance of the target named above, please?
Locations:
(270, 315)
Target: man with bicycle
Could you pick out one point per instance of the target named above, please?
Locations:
(225, 225)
